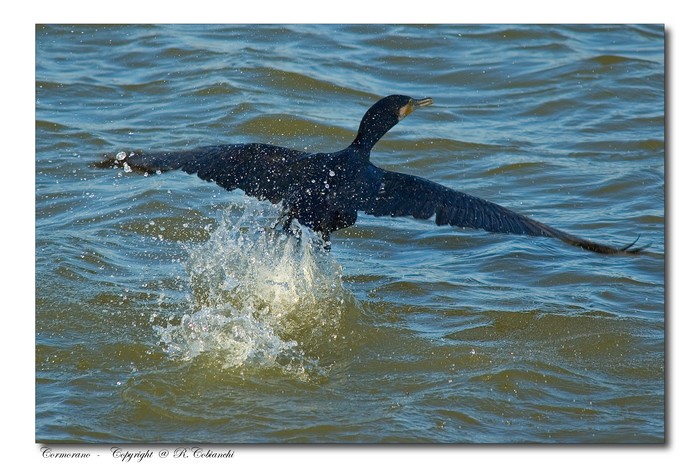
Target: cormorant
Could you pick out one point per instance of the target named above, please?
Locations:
(324, 191)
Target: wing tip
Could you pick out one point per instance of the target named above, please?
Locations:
(108, 161)
(127, 161)
(606, 249)
(627, 249)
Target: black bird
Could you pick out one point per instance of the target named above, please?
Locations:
(324, 191)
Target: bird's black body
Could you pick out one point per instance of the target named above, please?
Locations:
(325, 191)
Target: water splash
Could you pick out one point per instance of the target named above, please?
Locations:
(259, 297)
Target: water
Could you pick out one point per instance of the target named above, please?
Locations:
(169, 310)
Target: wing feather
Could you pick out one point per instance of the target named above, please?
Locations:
(400, 194)
(260, 170)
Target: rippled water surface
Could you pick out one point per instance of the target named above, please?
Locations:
(167, 310)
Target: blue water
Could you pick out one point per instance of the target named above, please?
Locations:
(166, 313)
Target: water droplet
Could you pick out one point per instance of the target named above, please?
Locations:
(255, 286)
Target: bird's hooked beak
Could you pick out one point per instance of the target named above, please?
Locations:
(412, 105)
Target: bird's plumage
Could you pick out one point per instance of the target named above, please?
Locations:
(325, 191)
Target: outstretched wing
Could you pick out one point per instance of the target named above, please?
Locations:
(260, 170)
(406, 195)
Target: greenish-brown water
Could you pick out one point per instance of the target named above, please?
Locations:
(165, 312)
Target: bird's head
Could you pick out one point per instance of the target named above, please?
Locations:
(383, 115)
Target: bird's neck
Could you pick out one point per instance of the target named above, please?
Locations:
(362, 144)
(370, 132)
